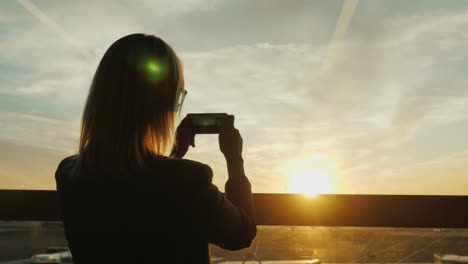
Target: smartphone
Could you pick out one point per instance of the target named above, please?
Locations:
(206, 123)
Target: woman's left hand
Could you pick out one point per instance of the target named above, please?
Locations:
(185, 137)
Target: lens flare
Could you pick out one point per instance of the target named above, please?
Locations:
(153, 67)
(156, 70)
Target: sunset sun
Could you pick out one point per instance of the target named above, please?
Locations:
(309, 175)
(309, 181)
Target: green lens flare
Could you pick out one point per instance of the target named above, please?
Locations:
(152, 66)
(156, 70)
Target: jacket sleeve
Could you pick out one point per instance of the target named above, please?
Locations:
(230, 216)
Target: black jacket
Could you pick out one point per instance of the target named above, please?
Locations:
(167, 214)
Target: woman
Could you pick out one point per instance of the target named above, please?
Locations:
(122, 200)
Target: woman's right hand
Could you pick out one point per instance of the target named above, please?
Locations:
(230, 140)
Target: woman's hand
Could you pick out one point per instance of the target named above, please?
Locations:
(230, 140)
(185, 137)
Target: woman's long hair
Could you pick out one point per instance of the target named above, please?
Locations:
(132, 104)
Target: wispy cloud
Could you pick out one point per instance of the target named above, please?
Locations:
(50, 23)
(391, 81)
(346, 15)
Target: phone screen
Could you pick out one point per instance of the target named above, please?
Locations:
(206, 123)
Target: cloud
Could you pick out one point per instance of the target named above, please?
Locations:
(39, 130)
(377, 96)
(391, 80)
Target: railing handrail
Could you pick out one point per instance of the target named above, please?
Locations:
(432, 211)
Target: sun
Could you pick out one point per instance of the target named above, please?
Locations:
(310, 175)
(308, 181)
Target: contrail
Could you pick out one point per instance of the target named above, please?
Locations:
(346, 14)
(46, 20)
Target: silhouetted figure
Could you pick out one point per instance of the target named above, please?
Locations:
(122, 200)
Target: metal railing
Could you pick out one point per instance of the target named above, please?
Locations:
(292, 209)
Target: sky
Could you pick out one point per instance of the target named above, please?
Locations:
(356, 97)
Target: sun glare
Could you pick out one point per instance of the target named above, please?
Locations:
(309, 175)
(309, 181)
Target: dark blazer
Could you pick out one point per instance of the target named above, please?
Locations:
(165, 214)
